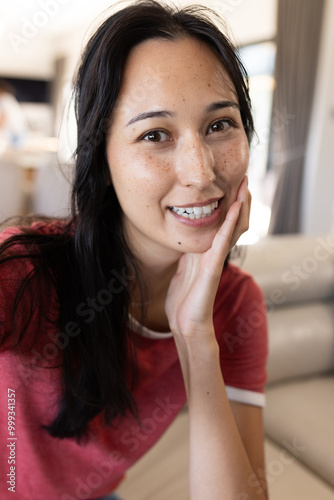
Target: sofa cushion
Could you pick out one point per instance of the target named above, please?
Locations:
(299, 416)
(301, 340)
(292, 268)
(289, 479)
(163, 471)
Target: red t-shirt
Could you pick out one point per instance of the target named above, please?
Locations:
(37, 466)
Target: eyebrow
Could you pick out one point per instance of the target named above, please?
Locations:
(168, 114)
(150, 114)
(221, 105)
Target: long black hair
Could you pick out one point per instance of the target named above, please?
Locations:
(90, 259)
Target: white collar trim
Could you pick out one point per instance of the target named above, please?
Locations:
(146, 332)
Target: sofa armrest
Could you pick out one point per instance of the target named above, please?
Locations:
(292, 268)
(296, 275)
(301, 340)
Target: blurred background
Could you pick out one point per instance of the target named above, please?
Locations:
(286, 47)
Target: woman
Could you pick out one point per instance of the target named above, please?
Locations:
(114, 319)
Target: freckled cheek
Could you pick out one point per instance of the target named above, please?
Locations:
(146, 176)
(233, 162)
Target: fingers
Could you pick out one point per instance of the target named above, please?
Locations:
(245, 198)
(243, 189)
(236, 222)
(223, 240)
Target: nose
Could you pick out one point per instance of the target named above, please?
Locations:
(196, 164)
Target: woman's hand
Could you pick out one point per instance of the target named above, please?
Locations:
(192, 291)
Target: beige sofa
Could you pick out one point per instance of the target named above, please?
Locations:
(296, 274)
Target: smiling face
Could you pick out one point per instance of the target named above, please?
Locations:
(177, 149)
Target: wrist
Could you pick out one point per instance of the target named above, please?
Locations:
(197, 350)
(194, 330)
(200, 364)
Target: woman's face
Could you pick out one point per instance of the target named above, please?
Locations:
(177, 149)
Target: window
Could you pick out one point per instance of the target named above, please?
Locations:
(259, 60)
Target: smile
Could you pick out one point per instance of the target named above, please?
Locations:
(196, 212)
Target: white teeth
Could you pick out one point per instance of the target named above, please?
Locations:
(196, 212)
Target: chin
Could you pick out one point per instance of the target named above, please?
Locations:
(200, 246)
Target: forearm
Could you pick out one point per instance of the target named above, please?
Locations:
(219, 465)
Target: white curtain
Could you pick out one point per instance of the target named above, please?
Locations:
(298, 36)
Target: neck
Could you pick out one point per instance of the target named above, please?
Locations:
(156, 262)
(156, 267)
(156, 276)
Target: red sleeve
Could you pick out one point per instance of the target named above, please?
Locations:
(241, 329)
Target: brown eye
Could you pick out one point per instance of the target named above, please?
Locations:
(220, 126)
(156, 136)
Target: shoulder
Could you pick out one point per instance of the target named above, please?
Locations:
(20, 247)
(237, 286)
(42, 227)
(21, 284)
(240, 320)
(239, 298)
(240, 301)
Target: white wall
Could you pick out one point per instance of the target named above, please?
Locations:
(35, 32)
(318, 189)
(250, 20)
